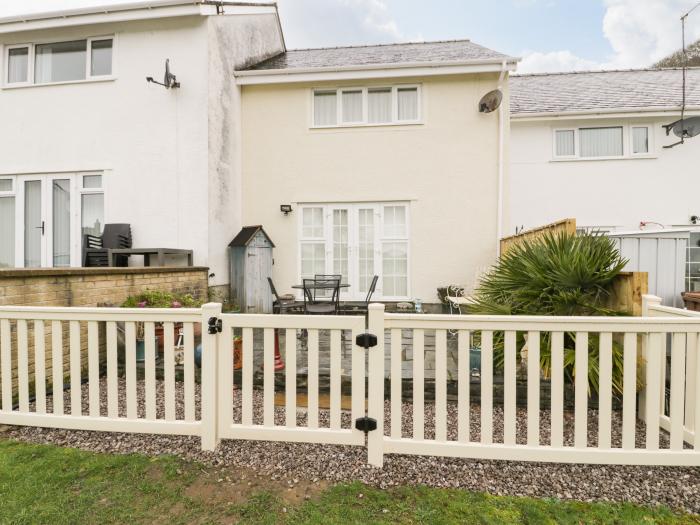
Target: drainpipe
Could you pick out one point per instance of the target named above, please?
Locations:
(501, 140)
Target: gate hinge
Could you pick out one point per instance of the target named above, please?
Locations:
(366, 340)
(215, 325)
(366, 424)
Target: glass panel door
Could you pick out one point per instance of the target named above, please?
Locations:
(340, 240)
(366, 233)
(34, 225)
(7, 232)
(60, 223)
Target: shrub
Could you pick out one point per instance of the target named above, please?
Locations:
(555, 275)
(160, 299)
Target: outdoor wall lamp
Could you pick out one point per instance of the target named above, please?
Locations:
(286, 208)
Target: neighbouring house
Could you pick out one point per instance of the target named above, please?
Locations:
(85, 140)
(381, 151)
(590, 145)
(383, 156)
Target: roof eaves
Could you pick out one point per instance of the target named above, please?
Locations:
(607, 112)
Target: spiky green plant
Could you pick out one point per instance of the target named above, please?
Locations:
(556, 275)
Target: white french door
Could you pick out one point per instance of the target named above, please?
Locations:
(357, 241)
(46, 216)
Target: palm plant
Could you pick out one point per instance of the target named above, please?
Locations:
(558, 275)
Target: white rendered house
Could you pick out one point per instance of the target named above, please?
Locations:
(85, 140)
(590, 145)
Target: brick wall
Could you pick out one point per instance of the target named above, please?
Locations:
(86, 287)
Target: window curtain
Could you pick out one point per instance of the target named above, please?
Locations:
(60, 62)
(325, 108)
(601, 142)
(565, 143)
(408, 103)
(7, 232)
(352, 106)
(640, 140)
(18, 65)
(61, 222)
(379, 105)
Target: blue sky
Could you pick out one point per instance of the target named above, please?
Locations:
(550, 35)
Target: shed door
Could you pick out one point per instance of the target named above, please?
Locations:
(258, 269)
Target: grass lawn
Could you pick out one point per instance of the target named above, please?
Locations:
(45, 484)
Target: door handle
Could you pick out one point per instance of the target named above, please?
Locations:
(41, 228)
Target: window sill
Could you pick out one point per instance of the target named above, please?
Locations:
(65, 83)
(364, 125)
(599, 159)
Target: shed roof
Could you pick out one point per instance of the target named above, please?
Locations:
(594, 91)
(247, 234)
(441, 52)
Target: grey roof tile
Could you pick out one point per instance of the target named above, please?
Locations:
(601, 90)
(390, 54)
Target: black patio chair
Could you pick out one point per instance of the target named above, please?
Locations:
(113, 236)
(315, 300)
(361, 308)
(284, 304)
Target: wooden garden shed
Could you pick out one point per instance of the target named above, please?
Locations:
(250, 265)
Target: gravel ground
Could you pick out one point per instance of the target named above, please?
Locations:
(676, 487)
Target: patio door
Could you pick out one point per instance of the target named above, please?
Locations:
(45, 215)
(357, 241)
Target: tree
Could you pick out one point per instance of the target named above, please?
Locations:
(676, 59)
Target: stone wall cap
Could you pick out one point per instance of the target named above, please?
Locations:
(112, 271)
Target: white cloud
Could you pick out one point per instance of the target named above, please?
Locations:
(313, 23)
(555, 61)
(641, 32)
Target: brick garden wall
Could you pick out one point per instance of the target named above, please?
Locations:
(87, 287)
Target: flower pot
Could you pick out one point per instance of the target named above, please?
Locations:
(141, 349)
(237, 353)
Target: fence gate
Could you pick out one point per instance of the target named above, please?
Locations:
(310, 344)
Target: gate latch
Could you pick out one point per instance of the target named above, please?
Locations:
(215, 325)
(366, 340)
(366, 424)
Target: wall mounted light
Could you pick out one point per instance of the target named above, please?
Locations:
(286, 208)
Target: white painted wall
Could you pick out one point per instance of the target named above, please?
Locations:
(446, 168)
(602, 193)
(171, 158)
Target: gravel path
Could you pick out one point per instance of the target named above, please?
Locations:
(676, 487)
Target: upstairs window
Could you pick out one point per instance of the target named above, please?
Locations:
(366, 106)
(602, 142)
(56, 62)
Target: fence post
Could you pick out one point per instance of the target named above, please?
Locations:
(375, 376)
(648, 301)
(209, 384)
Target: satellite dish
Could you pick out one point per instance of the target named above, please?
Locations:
(686, 128)
(490, 101)
(169, 80)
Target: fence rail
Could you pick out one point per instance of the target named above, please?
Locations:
(631, 381)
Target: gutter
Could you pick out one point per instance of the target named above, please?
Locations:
(501, 145)
(369, 67)
(545, 115)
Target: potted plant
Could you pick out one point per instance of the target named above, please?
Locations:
(159, 299)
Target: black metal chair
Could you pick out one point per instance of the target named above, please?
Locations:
(315, 301)
(113, 236)
(283, 304)
(362, 308)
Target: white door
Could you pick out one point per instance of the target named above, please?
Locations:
(357, 241)
(45, 217)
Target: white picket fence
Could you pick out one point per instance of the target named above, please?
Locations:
(228, 405)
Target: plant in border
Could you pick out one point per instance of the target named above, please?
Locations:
(556, 274)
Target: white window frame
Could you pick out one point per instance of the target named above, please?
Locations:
(627, 142)
(650, 140)
(365, 107)
(32, 59)
(30, 65)
(77, 191)
(352, 293)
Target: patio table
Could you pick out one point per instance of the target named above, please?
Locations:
(319, 286)
(147, 253)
